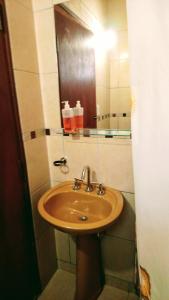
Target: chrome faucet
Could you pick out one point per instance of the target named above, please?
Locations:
(89, 187)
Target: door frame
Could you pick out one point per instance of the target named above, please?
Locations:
(20, 149)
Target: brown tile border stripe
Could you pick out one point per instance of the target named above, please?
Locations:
(47, 131)
(34, 134)
(113, 115)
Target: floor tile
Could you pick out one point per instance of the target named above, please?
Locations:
(62, 286)
(111, 293)
(133, 297)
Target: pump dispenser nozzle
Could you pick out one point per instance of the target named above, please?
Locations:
(66, 104)
(78, 104)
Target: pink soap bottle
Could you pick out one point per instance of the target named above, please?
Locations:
(78, 115)
(68, 118)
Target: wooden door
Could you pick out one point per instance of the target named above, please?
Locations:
(76, 62)
(18, 267)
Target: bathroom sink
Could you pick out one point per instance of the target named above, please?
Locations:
(80, 212)
(83, 214)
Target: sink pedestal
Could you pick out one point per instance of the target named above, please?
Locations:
(83, 214)
(89, 271)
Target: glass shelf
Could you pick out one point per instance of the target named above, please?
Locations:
(86, 132)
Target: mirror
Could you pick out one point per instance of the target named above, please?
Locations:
(92, 49)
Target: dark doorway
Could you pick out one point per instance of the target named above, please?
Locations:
(19, 277)
(76, 62)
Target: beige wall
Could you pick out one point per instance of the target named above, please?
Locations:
(109, 159)
(120, 94)
(36, 76)
(27, 81)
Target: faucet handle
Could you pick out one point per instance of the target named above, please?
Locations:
(101, 189)
(77, 184)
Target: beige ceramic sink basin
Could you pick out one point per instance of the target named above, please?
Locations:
(80, 212)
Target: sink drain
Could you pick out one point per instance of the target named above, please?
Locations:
(83, 218)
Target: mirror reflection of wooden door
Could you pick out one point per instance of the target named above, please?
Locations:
(76, 61)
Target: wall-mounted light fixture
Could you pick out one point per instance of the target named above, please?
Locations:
(103, 40)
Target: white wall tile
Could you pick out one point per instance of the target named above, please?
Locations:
(29, 100)
(117, 14)
(125, 226)
(114, 123)
(55, 152)
(97, 8)
(46, 40)
(59, 1)
(118, 257)
(62, 246)
(124, 123)
(114, 100)
(22, 36)
(124, 76)
(51, 100)
(114, 73)
(40, 225)
(37, 163)
(46, 254)
(26, 3)
(123, 42)
(116, 166)
(111, 162)
(42, 4)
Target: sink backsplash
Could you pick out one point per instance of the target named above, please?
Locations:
(110, 160)
(111, 164)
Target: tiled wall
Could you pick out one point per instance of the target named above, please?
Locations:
(120, 95)
(26, 73)
(109, 159)
(111, 163)
(36, 76)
